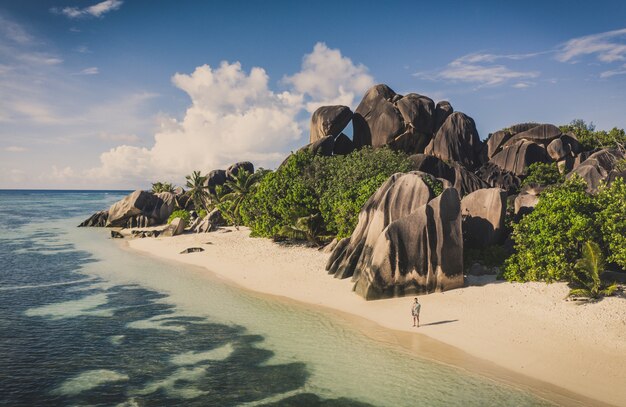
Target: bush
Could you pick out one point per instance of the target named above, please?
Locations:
(548, 240)
(543, 174)
(591, 139)
(201, 213)
(307, 185)
(184, 215)
(612, 220)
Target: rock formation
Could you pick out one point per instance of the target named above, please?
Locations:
(442, 111)
(516, 157)
(541, 134)
(215, 178)
(483, 213)
(461, 179)
(329, 121)
(233, 169)
(457, 140)
(141, 208)
(175, 228)
(98, 219)
(598, 167)
(419, 253)
(343, 145)
(496, 177)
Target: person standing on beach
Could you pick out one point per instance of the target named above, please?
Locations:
(415, 311)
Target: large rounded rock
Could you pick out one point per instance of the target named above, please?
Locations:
(442, 111)
(517, 157)
(400, 195)
(343, 145)
(461, 179)
(141, 208)
(214, 179)
(419, 253)
(483, 213)
(376, 121)
(457, 140)
(524, 204)
(542, 134)
(234, 169)
(417, 112)
(495, 141)
(323, 146)
(329, 121)
(558, 150)
(597, 168)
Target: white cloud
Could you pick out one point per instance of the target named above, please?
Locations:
(96, 10)
(479, 69)
(14, 149)
(39, 58)
(613, 72)
(14, 32)
(608, 46)
(234, 115)
(119, 138)
(522, 85)
(93, 70)
(330, 78)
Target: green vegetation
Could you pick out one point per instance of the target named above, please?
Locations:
(197, 192)
(334, 188)
(201, 213)
(492, 256)
(158, 187)
(543, 174)
(591, 139)
(183, 214)
(612, 220)
(434, 184)
(241, 186)
(306, 228)
(587, 275)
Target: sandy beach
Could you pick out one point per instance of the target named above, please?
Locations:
(527, 329)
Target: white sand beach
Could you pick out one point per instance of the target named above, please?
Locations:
(527, 329)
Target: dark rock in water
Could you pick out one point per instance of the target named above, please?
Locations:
(175, 228)
(597, 167)
(234, 169)
(343, 145)
(329, 121)
(421, 252)
(517, 157)
(499, 178)
(461, 179)
(495, 141)
(116, 235)
(399, 196)
(442, 111)
(141, 208)
(215, 178)
(98, 219)
(192, 250)
(323, 146)
(483, 213)
(457, 140)
(542, 134)
(376, 120)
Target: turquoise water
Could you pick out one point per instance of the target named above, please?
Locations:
(85, 322)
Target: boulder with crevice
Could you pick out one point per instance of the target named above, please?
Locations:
(517, 157)
(234, 169)
(597, 168)
(141, 208)
(541, 134)
(461, 179)
(329, 121)
(496, 177)
(483, 213)
(343, 145)
(443, 109)
(457, 140)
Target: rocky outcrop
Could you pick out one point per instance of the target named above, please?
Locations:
(175, 228)
(483, 213)
(457, 140)
(541, 134)
(233, 169)
(385, 118)
(214, 179)
(518, 156)
(329, 121)
(461, 179)
(98, 219)
(442, 111)
(141, 208)
(419, 253)
(399, 196)
(597, 168)
(498, 178)
(323, 146)
(494, 143)
(343, 145)
(212, 221)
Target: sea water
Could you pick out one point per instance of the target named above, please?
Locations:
(83, 321)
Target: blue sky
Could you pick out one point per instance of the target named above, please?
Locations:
(118, 93)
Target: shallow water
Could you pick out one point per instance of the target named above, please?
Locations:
(85, 322)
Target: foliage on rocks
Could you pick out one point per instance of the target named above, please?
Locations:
(590, 138)
(183, 214)
(543, 174)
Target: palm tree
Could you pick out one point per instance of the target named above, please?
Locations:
(241, 185)
(162, 187)
(306, 228)
(588, 272)
(197, 190)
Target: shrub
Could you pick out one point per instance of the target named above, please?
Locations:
(201, 213)
(543, 174)
(591, 139)
(612, 220)
(184, 215)
(588, 272)
(548, 240)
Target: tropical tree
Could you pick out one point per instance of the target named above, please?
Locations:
(588, 272)
(241, 185)
(308, 228)
(197, 191)
(162, 187)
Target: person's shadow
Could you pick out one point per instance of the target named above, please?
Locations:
(447, 321)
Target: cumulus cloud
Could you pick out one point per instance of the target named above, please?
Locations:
(329, 78)
(608, 46)
(480, 69)
(234, 115)
(96, 10)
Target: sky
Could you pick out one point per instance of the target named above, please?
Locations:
(117, 94)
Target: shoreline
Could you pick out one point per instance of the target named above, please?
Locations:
(475, 328)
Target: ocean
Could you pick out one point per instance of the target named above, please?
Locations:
(85, 322)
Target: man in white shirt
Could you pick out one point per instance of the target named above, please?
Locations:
(415, 311)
